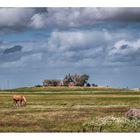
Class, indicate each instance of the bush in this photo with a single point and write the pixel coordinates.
(88, 85)
(38, 85)
(94, 85)
(112, 124)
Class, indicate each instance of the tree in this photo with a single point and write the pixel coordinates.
(94, 85)
(78, 80)
(67, 80)
(88, 84)
(83, 79)
(38, 85)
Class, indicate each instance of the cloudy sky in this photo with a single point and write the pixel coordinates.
(47, 43)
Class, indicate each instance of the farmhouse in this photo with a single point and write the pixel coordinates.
(47, 83)
(69, 81)
(71, 84)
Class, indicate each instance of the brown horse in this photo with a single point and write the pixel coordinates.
(19, 100)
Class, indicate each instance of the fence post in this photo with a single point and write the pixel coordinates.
(101, 127)
(84, 129)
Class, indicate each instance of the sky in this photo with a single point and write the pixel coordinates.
(48, 43)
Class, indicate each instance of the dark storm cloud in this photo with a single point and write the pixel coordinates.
(76, 17)
(19, 19)
(125, 46)
(41, 10)
(13, 49)
(119, 14)
(27, 53)
(10, 54)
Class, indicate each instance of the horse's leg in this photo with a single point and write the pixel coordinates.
(15, 103)
(22, 102)
(18, 104)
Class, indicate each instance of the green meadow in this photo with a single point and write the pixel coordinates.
(62, 109)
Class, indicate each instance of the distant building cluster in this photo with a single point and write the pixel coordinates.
(69, 80)
(54, 83)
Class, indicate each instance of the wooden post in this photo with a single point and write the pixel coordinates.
(84, 129)
(101, 127)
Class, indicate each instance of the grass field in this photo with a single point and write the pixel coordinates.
(69, 110)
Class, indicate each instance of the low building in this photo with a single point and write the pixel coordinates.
(53, 83)
(71, 84)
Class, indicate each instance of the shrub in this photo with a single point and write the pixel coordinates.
(38, 85)
(88, 85)
(112, 124)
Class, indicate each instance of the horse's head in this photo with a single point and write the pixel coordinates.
(24, 103)
(24, 100)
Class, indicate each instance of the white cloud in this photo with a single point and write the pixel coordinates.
(124, 47)
(76, 40)
(14, 17)
(76, 48)
(81, 48)
(37, 21)
(124, 53)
